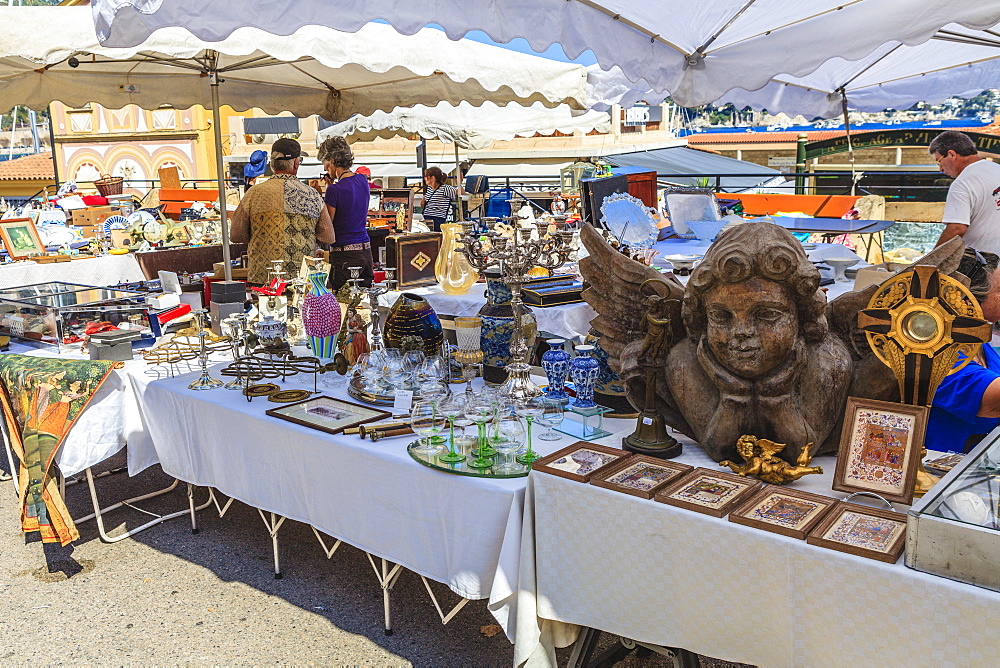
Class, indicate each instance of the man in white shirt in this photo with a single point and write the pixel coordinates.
(972, 210)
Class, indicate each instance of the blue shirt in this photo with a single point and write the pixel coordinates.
(350, 199)
(953, 416)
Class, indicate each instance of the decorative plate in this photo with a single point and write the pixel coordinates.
(115, 223)
(57, 235)
(629, 220)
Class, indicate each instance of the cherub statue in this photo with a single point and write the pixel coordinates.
(762, 462)
(759, 350)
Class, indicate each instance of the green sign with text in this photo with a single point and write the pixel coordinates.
(914, 137)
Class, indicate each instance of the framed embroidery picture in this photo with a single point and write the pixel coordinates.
(20, 238)
(640, 475)
(862, 530)
(706, 491)
(782, 510)
(328, 414)
(880, 448)
(579, 461)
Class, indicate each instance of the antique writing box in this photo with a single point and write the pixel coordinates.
(552, 291)
(413, 256)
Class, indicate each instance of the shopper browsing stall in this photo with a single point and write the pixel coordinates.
(438, 198)
(972, 209)
(967, 402)
(281, 218)
(347, 204)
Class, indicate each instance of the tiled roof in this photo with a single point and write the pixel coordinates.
(29, 168)
(792, 137)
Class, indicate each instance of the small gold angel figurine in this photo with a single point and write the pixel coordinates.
(762, 462)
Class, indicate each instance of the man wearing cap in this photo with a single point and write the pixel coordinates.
(281, 218)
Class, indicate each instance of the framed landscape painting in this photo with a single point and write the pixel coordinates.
(880, 448)
(782, 510)
(20, 238)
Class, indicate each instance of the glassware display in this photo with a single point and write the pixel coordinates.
(452, 409)
(553, 413)
(480, 411)
(452, 270)
(530, 410)
(427, 423)
(412, 320)
(510, 436)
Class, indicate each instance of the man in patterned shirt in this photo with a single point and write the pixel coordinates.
(281, 218)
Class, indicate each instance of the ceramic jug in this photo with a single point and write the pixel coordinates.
(498, 327)
(270, 332)
(451, 269)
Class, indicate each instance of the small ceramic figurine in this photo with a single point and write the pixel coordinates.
(762, 462)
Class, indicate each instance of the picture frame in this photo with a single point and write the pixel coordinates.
(790, 512)
(327, 414)
(710, 492)
(20, 238)
(880, 447)
(864, 531)
(640, 475)
(580, 461)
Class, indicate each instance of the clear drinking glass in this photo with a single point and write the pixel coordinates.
(530, 410)
(480, 411)
(427, 423)
(552, 415)
(452, 408)
(510, 437)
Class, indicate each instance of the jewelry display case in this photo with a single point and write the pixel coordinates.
(954, 530)
(58, 313)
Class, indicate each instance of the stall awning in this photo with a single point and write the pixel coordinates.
(683, 160)
(519, 170)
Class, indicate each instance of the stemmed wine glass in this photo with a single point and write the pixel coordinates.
(480, 411)
(425, 422)
(551, 417)
(510, 437)
(433, 392)
(530, 410)
(451, 409)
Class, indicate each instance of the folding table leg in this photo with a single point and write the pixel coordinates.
(327, 550)
(445, 618)
(386, 579)
(273, 525)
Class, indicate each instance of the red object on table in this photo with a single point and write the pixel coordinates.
(172, 314)
(379, 276)
(95, 200)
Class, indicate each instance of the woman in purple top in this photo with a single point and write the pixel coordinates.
(347, 201)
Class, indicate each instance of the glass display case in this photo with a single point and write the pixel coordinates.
(954, 530)
(58, 313)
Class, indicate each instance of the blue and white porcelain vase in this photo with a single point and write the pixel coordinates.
(555, 362)
(498, 328)
(584, 370)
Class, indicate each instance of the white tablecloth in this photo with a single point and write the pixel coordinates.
(450, 528)
(104, 270)
(664, 575)
(569, 321)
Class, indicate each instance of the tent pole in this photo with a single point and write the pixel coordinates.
(850, 144)
(213, 77)
(458, 183)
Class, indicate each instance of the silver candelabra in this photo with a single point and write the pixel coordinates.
(515, 253)
(374, 292)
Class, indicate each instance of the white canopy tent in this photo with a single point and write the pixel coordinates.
(957, 61)
(315, 70)
(696, 51)
(467, 126)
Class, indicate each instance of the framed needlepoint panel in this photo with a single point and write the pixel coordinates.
(862, 530)
(785, 511)
(640, 475)
(711, 492)
(880, 448)
(328, 414)
(580, 461)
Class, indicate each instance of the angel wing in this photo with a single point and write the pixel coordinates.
(615, 281)
(768, 447)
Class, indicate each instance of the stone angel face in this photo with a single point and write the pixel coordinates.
(759, 349)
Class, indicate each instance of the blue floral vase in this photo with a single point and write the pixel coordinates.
(555, 362)
(609, 390)
(498, 328)
(584, 370)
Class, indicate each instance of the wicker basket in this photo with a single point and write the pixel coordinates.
(109, 185)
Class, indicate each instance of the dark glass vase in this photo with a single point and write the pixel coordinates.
(413, 324)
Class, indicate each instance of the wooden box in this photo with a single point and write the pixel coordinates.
(552, 291)
(413, 256)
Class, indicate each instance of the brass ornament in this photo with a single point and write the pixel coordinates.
(288, 396)
(762, 462)
(920, 324)
(261, 390)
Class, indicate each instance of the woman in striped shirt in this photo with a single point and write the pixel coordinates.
(438, 198)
